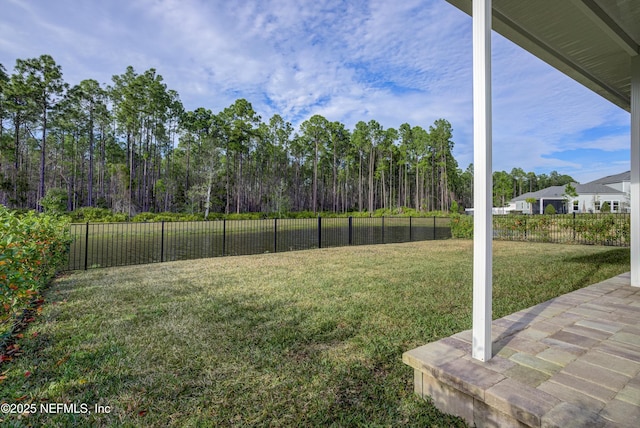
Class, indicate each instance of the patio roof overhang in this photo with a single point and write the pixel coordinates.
(591, 41)
(595, 42)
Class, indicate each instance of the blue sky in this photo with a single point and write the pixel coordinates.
(394, 62)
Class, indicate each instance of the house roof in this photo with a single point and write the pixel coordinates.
(610, 179)
(592, 41)
(549, 192)
(557, 192)
(596, 189)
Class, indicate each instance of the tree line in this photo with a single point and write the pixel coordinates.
(131, 146)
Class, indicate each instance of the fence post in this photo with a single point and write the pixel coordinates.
(410, 234)
(162, 243)
(319, 232)
(275, 235)
(574, 227)
(383, 229)
(350, 230)
(434, 228)
(86, 247)
(224, 236)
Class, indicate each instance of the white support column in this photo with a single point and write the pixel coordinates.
(635, 171)
(483, 182)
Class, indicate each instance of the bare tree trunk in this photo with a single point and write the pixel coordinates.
(227, 187)
(41, 189)
(384, 192)
(90, 176)
(335, 178)
(417, 187)
(238, 185)
(372, 157)
(315, 178)
(360, 186)
(131, 146)
(207, 204)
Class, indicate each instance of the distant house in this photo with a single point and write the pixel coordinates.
(613, 189)
(621, 182)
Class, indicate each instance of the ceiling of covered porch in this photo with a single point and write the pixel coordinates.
(592, 41)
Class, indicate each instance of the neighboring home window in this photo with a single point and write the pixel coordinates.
(576, 205)
(615, 206)
(597, 206)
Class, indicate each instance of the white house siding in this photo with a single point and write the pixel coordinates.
(621, 187)
(588, 203)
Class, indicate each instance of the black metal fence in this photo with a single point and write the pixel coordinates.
(119, 244)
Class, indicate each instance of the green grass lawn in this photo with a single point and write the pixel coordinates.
(299, 338)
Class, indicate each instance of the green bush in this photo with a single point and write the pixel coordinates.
(103, 215)
(512, 226)
(245, 216)
(32, 249)
(55, 201)
(605, 208)
(405, 212)
(96, 215)
(462, 226)
(168, 216)
(549, 210)
(605, 229)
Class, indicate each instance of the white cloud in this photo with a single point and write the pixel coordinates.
(394, 62)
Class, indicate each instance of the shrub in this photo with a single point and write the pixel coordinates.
(168, 217)
(32, 249)
(296, 214)
(96, 215)
(605, 208)
(55, 201)
(244, 216)
(512, 226)
(606, 229)
(462, 226)
(549, 210)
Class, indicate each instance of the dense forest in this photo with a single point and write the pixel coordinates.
(132, 147)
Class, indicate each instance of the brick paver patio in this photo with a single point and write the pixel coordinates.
(571, 361)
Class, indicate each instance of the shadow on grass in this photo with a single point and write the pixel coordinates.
(613, 256)
(594, 262)
(591, 263)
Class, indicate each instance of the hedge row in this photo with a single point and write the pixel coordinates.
(583, 228)
(32, 249)
(103, 215)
